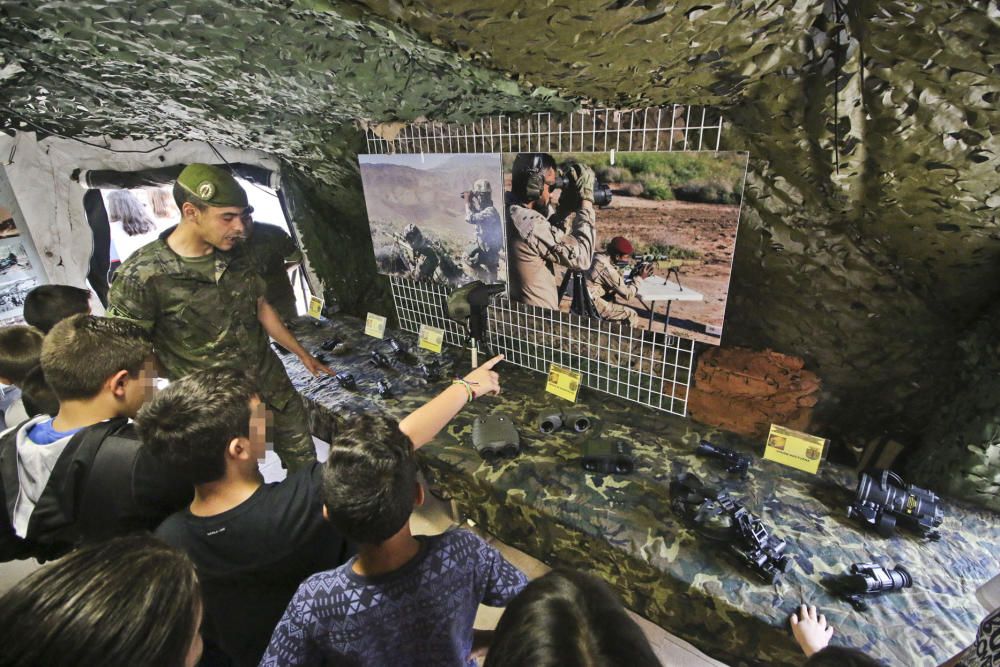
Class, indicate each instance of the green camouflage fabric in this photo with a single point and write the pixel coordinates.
(198, 323)
(622, 528)
(270, 248)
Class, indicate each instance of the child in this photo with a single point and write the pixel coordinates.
(568, 619)
(20, 347)
(253, 543)
(404, 600)
(82, 475)
(47, 305)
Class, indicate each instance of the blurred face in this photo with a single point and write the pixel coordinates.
(141, 388)
(550, 181)
(259, 418)
(220, 227)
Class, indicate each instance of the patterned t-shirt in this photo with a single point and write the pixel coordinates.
(986, 651)
(420, 614)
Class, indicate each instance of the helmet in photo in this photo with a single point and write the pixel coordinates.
(482, 187)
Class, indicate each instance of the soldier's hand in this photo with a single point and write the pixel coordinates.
(647, 271)
(584, 179)
(484, 380)
(315, 366)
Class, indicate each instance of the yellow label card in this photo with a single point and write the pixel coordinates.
(431, 338)
(563, 382)
(315, 307)
(795, 449)
(375, 325)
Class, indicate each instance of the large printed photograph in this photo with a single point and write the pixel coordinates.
(436, 217)
(654, 251)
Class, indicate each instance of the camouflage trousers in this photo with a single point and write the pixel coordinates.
(292, 440)
(615, 312)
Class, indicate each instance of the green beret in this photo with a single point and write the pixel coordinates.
(212, 185)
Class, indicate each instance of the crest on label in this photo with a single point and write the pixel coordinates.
(206, 189)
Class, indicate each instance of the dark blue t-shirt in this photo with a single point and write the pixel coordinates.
(420, 614)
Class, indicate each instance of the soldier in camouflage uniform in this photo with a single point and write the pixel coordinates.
(605, 282)
(204, 304)
(274, 253)
(484, 257)
(420, 260)
(535, 244)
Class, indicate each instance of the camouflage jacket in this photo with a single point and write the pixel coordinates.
(270, 248)
(198, 323)
(536, 246)
(488, 228)
(604, 278)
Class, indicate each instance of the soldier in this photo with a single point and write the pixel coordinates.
(204, 305)
(605, 282)
(535, 244)
(420, 259)
(274, 253)
(484, 257)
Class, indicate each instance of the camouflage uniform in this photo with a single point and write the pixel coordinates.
(485, 254)
(198, 321)
(271, 249)
(536, 246)
(604, 282)
(420, 259)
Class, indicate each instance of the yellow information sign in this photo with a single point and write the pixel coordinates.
(563, 382)
(375, 325)
(431, 338)
(795, 449)
(315, 307)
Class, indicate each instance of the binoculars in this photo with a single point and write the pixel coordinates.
(549, 423)
(602, 191)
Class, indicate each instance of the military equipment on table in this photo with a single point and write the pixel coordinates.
(868, 579)
(380, 360)
(882, 500)
(398, 348)
(383, 388)
(467, 305)
(329, 344)
(716, 516)
(735, 463)
(553, 421)
(609, 457)
(346, 380)
(495, 437)
(430, 371)
(602, 191)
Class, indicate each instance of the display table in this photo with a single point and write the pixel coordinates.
(658, 288)
(622, 528)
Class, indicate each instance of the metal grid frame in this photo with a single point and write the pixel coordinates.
(649, 368)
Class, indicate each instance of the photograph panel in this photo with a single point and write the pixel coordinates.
(657, 252)
(436, 217)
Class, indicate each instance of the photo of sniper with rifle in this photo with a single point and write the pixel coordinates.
(432, 216)
(646, 241)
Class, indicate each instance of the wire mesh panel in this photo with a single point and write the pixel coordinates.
(647, 367)
(650, 368)
(421, 302)
(673, 128)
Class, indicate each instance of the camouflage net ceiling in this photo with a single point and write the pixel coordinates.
(870, 240)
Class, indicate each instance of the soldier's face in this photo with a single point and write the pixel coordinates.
(550, 181)
(222, 227)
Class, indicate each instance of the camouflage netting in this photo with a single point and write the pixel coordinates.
(870, 237)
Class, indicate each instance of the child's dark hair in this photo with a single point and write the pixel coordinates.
(47, 305)
(568, 619)
(839, 656)
(83, 351)
(369, 481)
(189, 425)
(20, 348)
(36, 394)
(85, 609)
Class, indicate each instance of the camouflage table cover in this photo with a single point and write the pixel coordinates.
(622, 527)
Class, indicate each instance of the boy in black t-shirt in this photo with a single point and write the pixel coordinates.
(252, 543)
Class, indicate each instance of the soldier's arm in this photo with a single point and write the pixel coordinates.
(276, 329)
(131, 300)
(573, 249)
(481, 217)
(613, 281)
